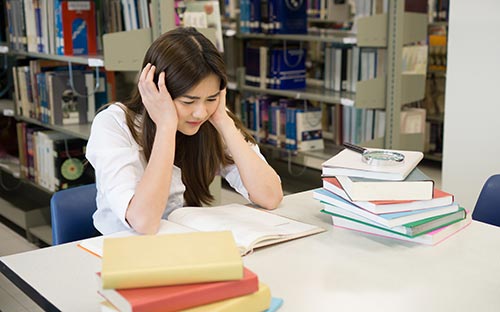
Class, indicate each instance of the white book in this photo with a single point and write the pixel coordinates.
(252, 228)
(350, 163)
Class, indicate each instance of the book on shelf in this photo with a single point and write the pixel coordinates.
(179, 297)
(146, 261)
(79, 27)
(258, 301)
(66, 106)
(252, 228)
(411, 229)
(416, 186)
(350, 163)
(440, 198)
(430, 238)
(337, 204)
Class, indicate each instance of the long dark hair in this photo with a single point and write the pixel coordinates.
(186, 57)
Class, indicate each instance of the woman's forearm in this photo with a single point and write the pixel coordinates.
(151, 195)
(260, 179)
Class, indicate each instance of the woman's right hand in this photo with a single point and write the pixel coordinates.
(157, 100)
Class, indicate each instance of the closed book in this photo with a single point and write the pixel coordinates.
(350, 163)
(337, 204)
(416, 186)
(411, 229)
(440, 198)
(258, 301)
(172, 259)
(178, 297)
(431, 238)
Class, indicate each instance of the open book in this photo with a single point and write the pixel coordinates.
(251, 228)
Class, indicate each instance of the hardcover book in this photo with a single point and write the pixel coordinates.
(179, 297)
(350, 163)
(79, 27)
(171, 259)
(431, 238)
(416, 186)
(412, 229)
(440, 198)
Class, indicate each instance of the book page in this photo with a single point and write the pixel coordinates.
(94, 245)
(251, 227)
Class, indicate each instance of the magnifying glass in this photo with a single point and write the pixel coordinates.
(377, 157)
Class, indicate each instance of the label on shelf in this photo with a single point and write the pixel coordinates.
(8, 112)
(347, 102)
(95, 62)
(4, 49)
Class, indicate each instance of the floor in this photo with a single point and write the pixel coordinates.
(13, 300)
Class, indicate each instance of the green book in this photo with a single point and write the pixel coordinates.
(412, 229)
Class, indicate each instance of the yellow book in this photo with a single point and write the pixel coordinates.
(171, 259)
(258, 301)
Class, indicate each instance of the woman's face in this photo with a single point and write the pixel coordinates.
(197, 105)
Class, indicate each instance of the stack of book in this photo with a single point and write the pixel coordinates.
(197, 271)
(393, 200)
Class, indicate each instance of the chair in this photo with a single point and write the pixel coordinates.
(71, 214)
(488, 204)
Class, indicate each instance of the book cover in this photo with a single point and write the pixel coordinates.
(290, 17)
(179, 297)
(146, 261)
(79, 27)
(309, 129)
(350, 163)
(416, 186)
(66, 107)
(431, 238)
(439, 198)
(337, 204)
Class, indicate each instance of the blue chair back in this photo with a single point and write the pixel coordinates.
(71, 214)
(488, 204)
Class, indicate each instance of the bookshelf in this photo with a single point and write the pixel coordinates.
(391, 31)
(34, 217)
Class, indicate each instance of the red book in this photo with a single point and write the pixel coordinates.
(79, 27)
(440, 198)
(179, 297)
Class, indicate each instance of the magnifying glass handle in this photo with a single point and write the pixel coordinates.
(355, 148)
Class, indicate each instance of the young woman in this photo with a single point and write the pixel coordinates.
(160, 150)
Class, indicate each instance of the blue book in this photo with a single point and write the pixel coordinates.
(291, 17)
(336, 204)
(288, 67)
(255, 16)
(276, 303)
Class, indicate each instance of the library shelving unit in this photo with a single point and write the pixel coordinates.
(123, 51)
(392, 31)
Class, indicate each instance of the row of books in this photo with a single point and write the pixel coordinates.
(282, 122)
(46, 91)
(273, 17)
(52, 159)
(52, 26)
(275, 66)
(392, 201)
(346, 65)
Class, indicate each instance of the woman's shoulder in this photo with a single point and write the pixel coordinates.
(114, 113)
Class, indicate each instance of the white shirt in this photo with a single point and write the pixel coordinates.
(119, 164)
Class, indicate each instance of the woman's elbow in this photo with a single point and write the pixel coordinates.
(143, 225)
(272, 199)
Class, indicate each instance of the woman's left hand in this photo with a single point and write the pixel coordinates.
(220, 116)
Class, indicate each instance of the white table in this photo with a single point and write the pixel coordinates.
(338, 270)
